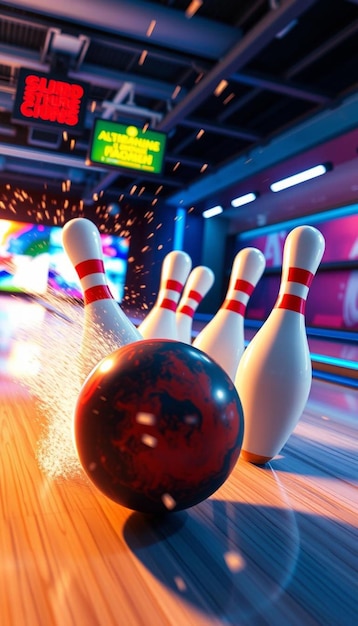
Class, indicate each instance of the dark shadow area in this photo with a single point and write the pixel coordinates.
(246, 564)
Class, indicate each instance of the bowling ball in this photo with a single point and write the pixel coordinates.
(158, 426)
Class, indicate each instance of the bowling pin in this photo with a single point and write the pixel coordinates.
(105, 324)
(274, 376)
(160, 323)
(200, 280)
(223, 337)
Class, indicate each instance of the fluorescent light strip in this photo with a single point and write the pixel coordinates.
(336, 361)
(241, 200)
(296, 179)
(179, 229)
(339, 379)
(328, 360)
(215, 210)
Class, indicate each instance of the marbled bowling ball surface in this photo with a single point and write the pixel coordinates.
(158, 426)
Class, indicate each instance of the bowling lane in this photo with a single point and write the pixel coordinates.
(274, 545)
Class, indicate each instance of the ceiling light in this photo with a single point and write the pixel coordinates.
(193, 7)
(215, 210)
(241, 200)
(301, 177)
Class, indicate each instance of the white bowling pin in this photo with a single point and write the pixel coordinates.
(274, 376)
(223, 337)
(105, 324)
(160, 323)
(200, 280)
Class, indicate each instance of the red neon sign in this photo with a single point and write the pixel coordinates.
(45, 99)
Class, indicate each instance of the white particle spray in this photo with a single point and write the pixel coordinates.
(51, 367)
(56, 379)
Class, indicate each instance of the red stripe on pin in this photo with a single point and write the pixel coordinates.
(173, 285)
(235, 306)
(195, 295)
(290, 302)
(166, 303)
(244, 285)
(91, 266)
(98, 292)
(299, 275)
(186, 310)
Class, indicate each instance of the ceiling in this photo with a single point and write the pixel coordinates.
(290, 100)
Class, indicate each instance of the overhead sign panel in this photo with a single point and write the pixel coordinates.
(127, 146)
(50, 100)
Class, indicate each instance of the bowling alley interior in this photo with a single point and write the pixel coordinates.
(179, 313)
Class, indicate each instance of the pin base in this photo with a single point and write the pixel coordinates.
(256, 459)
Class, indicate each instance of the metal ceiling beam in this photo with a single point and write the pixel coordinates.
(111, 79)
(132, 18)
(43, 156)
(15, 57)
(326, 47)
(239, 56)
(216, 129)
(105, 182)
(190, 162)
(159, 54)
(324, 126)
(33, 170)
(19, 57)
(283, 87)
(238, 103)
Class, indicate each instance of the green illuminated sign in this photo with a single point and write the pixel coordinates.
(119, 145)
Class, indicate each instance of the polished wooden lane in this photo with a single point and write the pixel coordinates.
(276, 545)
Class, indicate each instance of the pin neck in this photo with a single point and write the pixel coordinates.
(98, 292)
(166, 303)
(90, 266)
(244, 285)
(290, 302)
(195, 295)
(235, 306)
(186, 310)
(300, 275)
(173, 285)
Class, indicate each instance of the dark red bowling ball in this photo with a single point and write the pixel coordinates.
(158, 426)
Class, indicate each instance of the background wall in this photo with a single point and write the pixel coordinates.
(333, 297)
